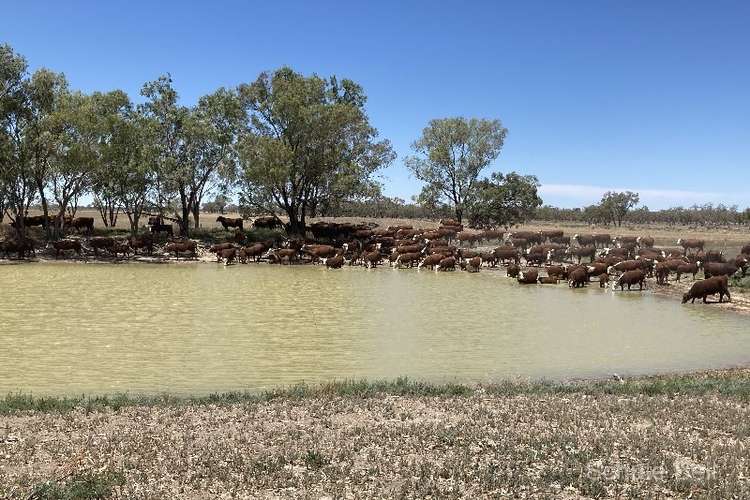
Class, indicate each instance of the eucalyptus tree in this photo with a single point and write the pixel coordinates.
(212, 130)
(504, 200)
(308, 140)
(450, 155)
(195, 145)
(25, 142)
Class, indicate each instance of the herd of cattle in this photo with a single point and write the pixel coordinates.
(548, 257)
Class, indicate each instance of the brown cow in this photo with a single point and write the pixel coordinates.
(691, 244)
(101, 242)
(474, 264)
(709, 286)
(63, 245)
(372, 259)
(645, 241)
(143, 241)
(630, 278)
(431, 261)
(178, 247)
(577, 277)
(528, 277)
(227, 222)
(280, 255)
(79, 223)
(254, 251)
(267, 222)
(228, 255)
(719, 268)
(446, 264)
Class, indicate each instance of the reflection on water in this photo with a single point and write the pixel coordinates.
(198, 328)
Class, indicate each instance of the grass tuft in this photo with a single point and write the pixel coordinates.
(729, 383)
(80, 486)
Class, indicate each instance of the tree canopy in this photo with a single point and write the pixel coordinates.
(308, 142)
(504, 200)
(450, 155)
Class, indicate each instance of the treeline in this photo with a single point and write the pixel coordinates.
(696, 215)
(284, 144)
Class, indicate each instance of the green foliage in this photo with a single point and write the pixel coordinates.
(80, 486)
(504, 200)
(450, 155)
(617, 205)
(308, 143)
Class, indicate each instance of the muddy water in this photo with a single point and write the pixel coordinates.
(199, 328)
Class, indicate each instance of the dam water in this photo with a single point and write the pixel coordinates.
(72, 328)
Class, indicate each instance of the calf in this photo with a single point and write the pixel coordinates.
(513, 270)
(709, 286)
(630, 278)
(603, 280)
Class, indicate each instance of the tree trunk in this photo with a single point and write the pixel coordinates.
(196, 214)
(459, 214)
(45, 208)
(296, 224)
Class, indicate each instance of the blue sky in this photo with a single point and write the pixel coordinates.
(642, 95)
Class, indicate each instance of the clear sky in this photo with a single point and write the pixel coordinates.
(647, 95)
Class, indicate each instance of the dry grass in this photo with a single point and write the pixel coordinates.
(657, 437)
